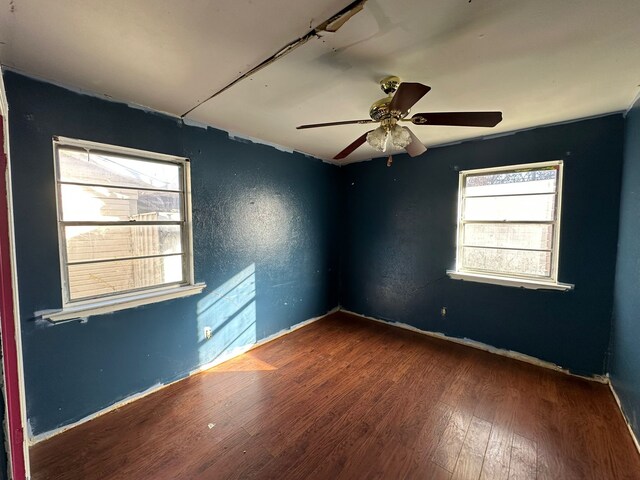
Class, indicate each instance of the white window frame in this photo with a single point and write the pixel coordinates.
(512, 280)
(85, 307)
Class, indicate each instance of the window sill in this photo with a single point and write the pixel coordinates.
(509, 282)
(129, 301)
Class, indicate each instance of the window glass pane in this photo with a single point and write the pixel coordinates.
(521, 207)
(509, 235)
(85, 203)
(507, 261)
(119, 241)
(106, 169)
(105, 278)
(505, 183)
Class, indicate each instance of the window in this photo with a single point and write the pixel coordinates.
(123, 225)
(509, 225)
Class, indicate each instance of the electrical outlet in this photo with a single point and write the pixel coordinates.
(208, 333)
(443, 311)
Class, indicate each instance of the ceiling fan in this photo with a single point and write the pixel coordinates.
(394, 108)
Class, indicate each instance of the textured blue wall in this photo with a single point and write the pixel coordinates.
(400, 238)
(625, 340)
(255, 209)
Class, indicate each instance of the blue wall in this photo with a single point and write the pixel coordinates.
(625, 338)
(264, 238)
(400, 230)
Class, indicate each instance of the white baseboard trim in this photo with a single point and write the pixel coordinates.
(485, 347)
(33, 439)
(626, 420)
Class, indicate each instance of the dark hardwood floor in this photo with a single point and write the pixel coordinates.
(347, 398)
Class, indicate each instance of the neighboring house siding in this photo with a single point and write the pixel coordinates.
(91, 279)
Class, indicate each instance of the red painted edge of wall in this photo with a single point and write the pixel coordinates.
(8, 326)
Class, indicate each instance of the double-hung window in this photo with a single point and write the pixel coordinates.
(509, 225)
(123, 226)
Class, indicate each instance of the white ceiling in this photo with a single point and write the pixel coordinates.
(539, 61)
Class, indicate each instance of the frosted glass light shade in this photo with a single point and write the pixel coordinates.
(400, 136)
(381, 136)
(378, 139)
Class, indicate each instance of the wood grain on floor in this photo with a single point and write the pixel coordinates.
(348, 398)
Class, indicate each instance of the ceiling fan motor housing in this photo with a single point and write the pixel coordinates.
(380, 110)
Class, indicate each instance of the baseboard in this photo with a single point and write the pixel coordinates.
(485, 347)
(34, 439)
(626, 420)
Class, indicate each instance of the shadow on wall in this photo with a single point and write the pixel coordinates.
(230, 312)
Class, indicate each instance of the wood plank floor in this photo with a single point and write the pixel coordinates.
(347, 398)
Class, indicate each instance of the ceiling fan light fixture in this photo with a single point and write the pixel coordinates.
(378, 138)
(400, 136)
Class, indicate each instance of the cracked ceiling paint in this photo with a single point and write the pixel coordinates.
(539, 61)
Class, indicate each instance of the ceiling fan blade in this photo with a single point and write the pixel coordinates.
(416, 147)
(458, 119)
(352, 147)
(331, 124)
(407, 95)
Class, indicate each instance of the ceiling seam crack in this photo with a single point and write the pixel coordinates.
(331, 25)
